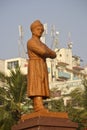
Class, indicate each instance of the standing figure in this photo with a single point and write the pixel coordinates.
(37, 84)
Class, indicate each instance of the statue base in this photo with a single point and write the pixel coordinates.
(45, 121)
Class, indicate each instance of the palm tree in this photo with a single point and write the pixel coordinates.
(12, 98)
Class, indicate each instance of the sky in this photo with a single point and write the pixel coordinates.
(66, 15)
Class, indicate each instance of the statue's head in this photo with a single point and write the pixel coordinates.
(36, 24)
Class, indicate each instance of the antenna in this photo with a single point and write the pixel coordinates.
(43, 38)
(56, 42)
(69, 41)
(52, 35)
(21, 48)
(20, 31)
(55, 39)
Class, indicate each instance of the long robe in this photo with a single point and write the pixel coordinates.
(37, 68)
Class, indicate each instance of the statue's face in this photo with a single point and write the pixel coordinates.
(37, 31)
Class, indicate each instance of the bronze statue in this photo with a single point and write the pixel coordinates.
(38, 86)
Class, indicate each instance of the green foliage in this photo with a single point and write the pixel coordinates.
(57, 105)
(8, 116)
(85, 93)
(77, 97)
(77, 110)
(12, 98)
(17, 85)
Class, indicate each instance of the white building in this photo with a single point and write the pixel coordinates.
(2, 66)
(7, 65)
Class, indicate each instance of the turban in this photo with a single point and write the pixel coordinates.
(35, 24)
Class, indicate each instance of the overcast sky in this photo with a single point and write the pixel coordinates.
(66, 15)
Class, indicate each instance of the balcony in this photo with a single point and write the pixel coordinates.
(63, 75)
(61, 64)
(78, 68)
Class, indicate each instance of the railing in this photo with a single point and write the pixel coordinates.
(63, 75)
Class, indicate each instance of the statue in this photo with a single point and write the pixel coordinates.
(37, 84)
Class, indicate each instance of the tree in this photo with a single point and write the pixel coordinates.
(85, 93)
(77, 110)
(77, 97)
(57, 105)
(12, 98)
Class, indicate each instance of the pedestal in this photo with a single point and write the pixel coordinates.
(45, 121)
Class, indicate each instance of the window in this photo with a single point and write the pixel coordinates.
(75, 77)
(48, 70)
(12, 64)
(60, 55)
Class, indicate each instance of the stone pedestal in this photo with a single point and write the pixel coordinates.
(45, 121)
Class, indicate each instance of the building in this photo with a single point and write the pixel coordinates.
(65, 67)
(2, 66)
(65, 72)
(11, 64)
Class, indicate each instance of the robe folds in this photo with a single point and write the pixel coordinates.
(37, 78)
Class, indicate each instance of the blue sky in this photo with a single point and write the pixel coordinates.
(66, 15)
